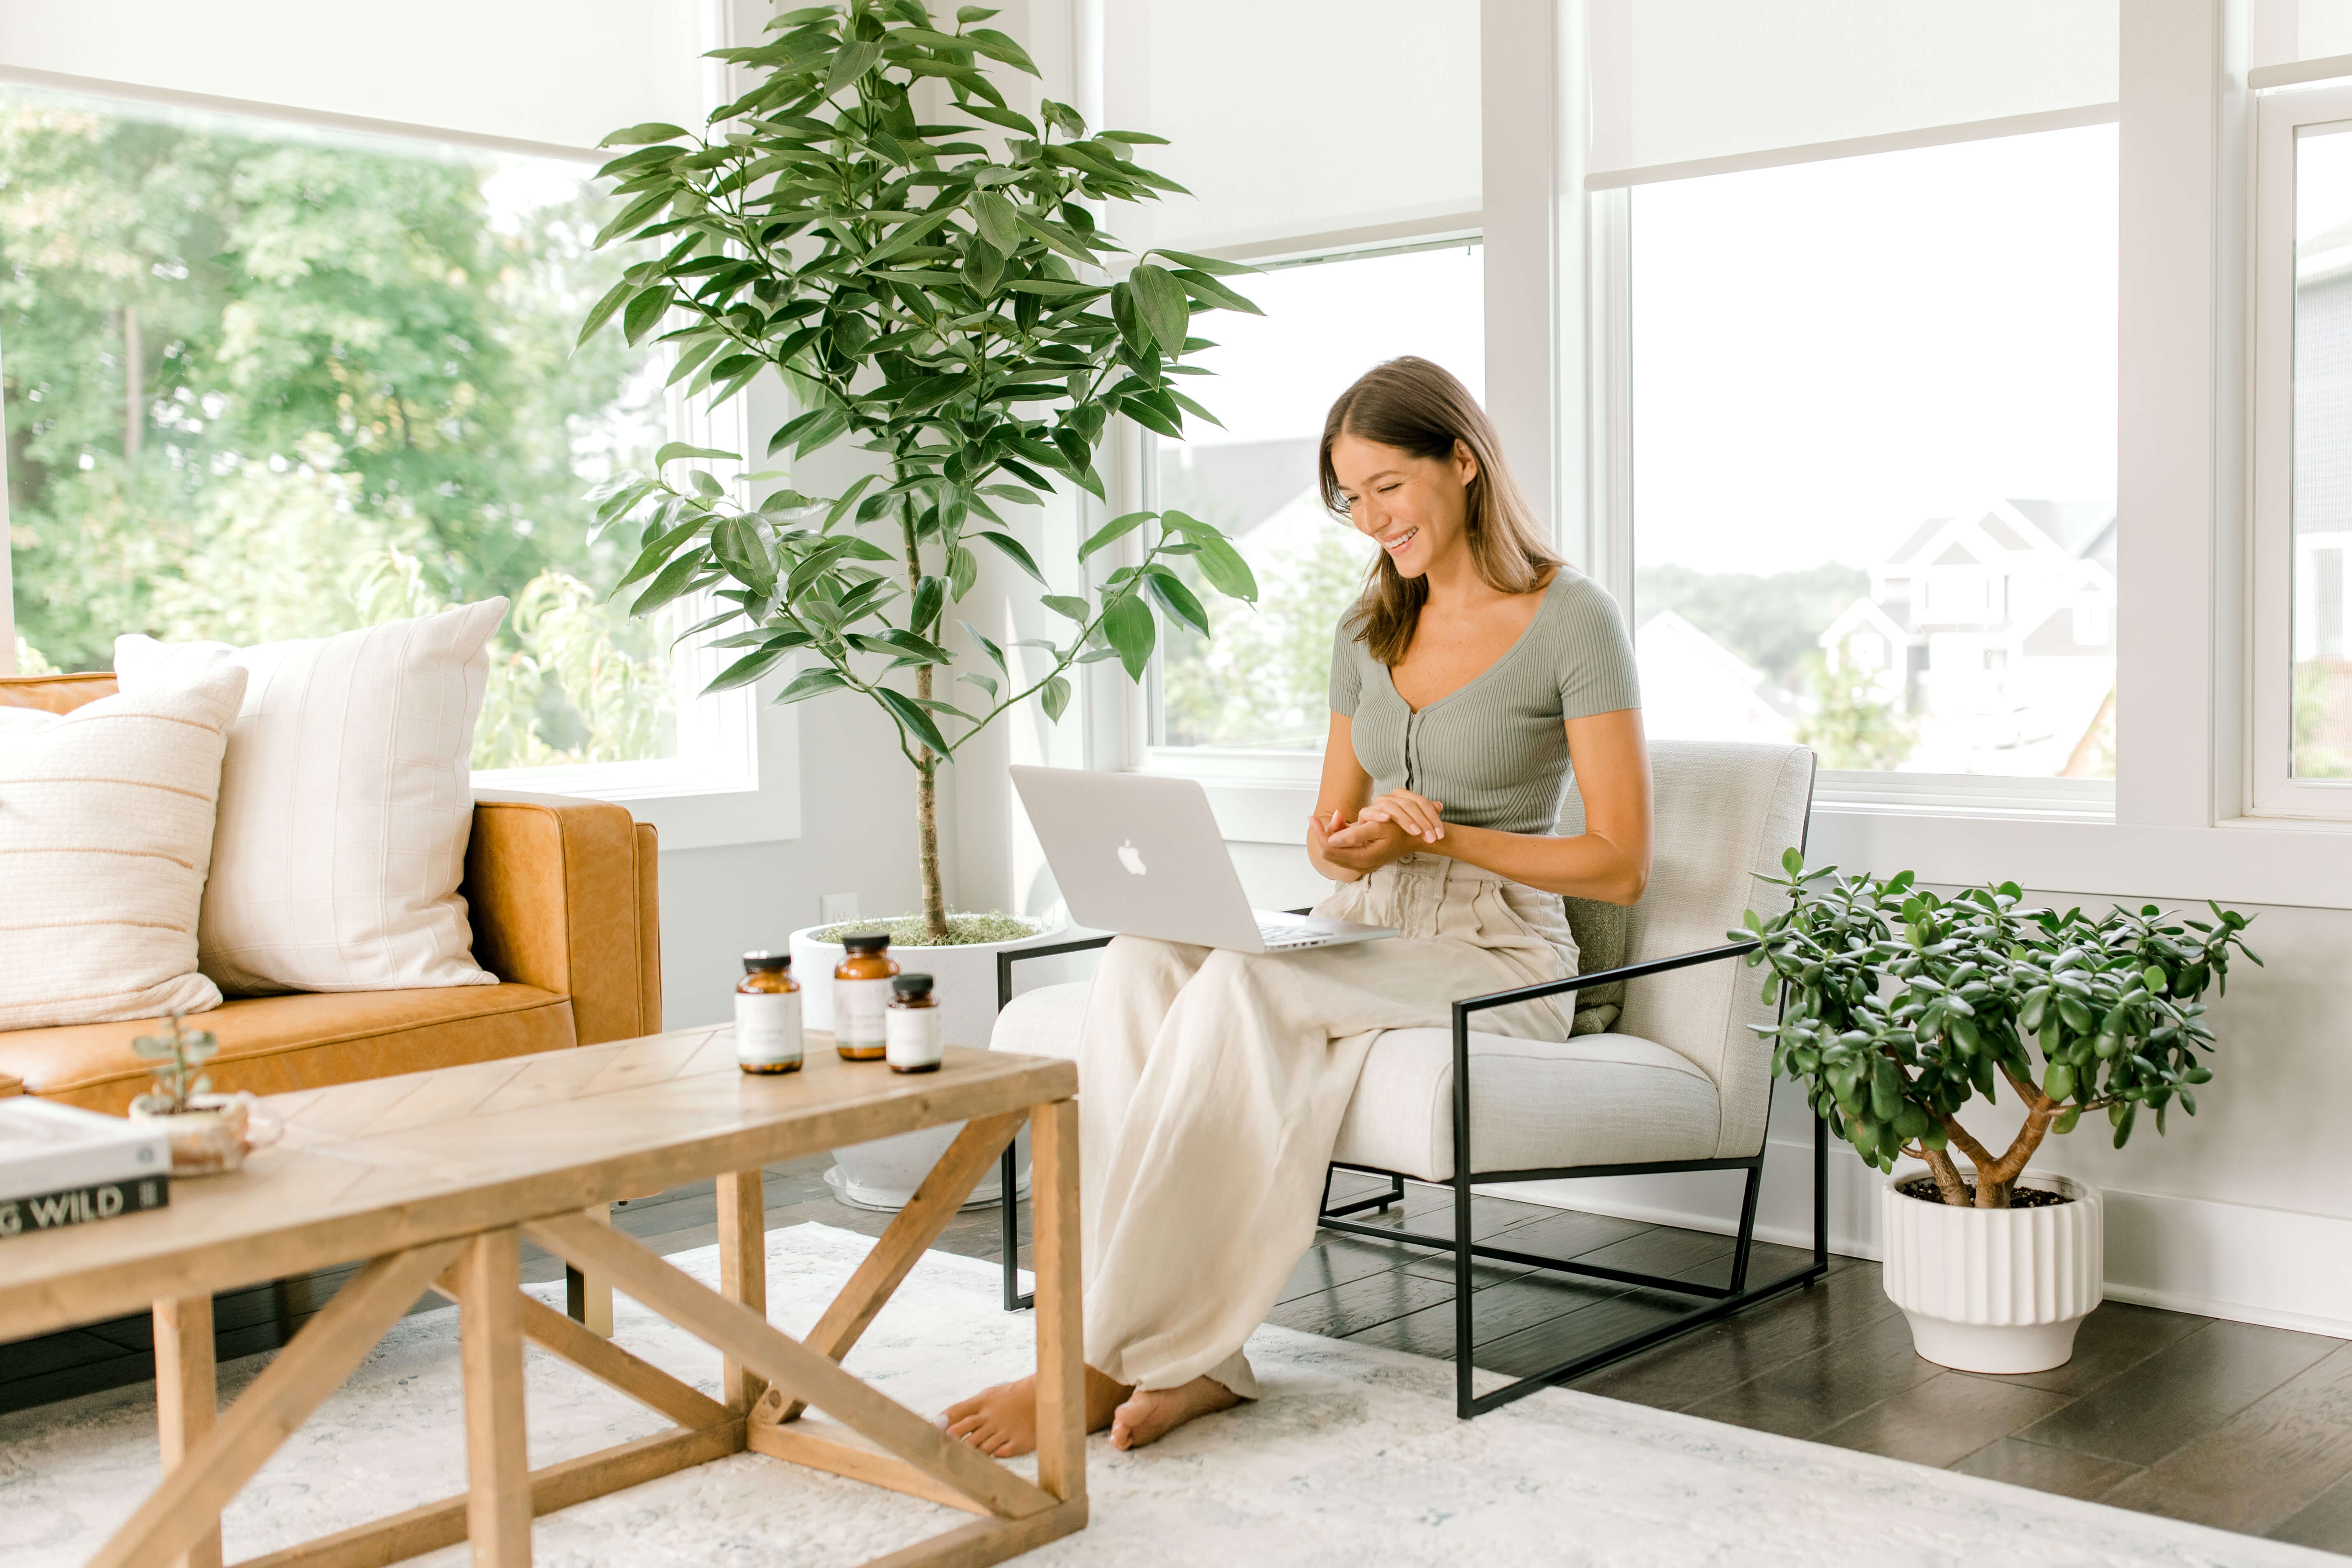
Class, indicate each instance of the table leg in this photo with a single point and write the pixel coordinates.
(185, 1396)
(1061, 1366)
(743, 1271)
(498, 1458)
(587, 1297)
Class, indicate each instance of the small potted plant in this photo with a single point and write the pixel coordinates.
(1900, 1007)
(209, 1132)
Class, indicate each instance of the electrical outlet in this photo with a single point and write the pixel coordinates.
(837, 907)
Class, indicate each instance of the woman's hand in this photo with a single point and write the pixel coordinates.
(1416, 815)
(1360, 847)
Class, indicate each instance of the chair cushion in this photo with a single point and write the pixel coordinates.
(273, 1043)
(1596, 1099)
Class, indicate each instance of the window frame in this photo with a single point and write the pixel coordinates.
(711, 792)
(2281, 119)
(1256, 764)
(1613, 361)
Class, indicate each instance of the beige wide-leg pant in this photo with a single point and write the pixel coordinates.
(1212, 1085)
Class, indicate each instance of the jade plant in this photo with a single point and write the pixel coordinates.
(174, 1060)
(1899, 1007)
(924, 266)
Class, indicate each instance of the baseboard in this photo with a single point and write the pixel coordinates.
(2277, 1267)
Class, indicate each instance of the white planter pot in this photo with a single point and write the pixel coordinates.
(1997, 1290)
(884, 1173)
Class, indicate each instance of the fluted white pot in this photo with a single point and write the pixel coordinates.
(1995, 1289)
(884, 1173)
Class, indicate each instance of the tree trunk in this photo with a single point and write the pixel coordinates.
(135, 388)
(1948, 1183)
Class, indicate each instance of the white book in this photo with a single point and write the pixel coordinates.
(50, 1148)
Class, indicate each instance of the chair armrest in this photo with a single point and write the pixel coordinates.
(564, 895)
(1469, 1005)
(1006, 960)
(9, 1085)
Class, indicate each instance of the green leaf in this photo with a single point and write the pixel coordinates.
(1056, 695)
(604, 310)
(930, 599)
(911, 716)
(1014, 549)
(1201, 263)
(676, 579)
(673, 450)
(854, 61)
(1064, 606)
(999, 223)
(1115, 528)
(1209, 291)
(996, 654)
(1161, 301)
(997, 46)
(637, 135)
(1227, 573)
(747, 670)
(1130, 629)
(645, 311)
(811, 683)
(983, 682)
(963, 571)
(1177, 599)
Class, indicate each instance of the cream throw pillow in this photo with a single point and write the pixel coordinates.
(106, 825)
(346, 802)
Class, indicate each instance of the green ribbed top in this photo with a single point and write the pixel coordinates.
(1495, 751)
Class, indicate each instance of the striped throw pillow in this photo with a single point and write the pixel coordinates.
(106, 831)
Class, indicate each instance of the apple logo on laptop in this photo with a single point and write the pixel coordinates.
(1132, 857)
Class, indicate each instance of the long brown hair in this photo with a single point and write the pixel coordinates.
(1419, 407)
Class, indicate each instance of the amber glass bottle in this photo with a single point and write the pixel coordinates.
(913, 1025)
(861, 997)
(768, 1015)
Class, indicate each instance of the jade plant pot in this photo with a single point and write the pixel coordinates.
(884, 1173)
(1998, 1291)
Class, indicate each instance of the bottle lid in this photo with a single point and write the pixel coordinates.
(867, 942)
(754, 962)
(912, 984)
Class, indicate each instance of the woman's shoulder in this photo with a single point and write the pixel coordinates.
(1572, 599)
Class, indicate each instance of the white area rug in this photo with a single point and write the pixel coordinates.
(1354, 1459)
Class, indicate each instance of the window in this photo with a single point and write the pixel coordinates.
(1260, 684)
(267, 382)
(1873, 413)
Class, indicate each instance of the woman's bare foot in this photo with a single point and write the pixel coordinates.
(1002, 1421)
(1151, 1414)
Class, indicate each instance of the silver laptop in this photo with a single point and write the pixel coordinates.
(1142, 855)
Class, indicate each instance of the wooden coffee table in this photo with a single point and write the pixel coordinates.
(437, 1177)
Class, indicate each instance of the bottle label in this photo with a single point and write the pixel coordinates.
(914, 1037)
(768, 1028)
(857, 1009)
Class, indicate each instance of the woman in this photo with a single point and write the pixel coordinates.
(1475, 673)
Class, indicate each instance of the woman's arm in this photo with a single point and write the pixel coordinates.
(1609, 860)
(1346, 786)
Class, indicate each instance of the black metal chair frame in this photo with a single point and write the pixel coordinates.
(1716, 1300)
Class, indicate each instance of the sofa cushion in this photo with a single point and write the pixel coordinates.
(1595, 1099)
(345, 803)
(106, 826)
(273, 1043)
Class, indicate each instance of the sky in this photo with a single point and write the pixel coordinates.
(1826, 354)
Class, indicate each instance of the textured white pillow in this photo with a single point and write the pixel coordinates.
(346, 802)
(106, 824)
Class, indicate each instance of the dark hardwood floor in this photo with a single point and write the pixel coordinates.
(2226, 1424)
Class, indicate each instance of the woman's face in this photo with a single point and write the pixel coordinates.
(1416, 509)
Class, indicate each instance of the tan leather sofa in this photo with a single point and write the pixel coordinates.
(562, 896)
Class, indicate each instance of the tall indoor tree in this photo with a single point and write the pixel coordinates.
(940, 295)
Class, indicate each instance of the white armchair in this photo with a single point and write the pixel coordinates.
(1684, 1083)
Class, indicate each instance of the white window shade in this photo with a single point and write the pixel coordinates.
(556, 72)
(1681, 82)
(1294, 122)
